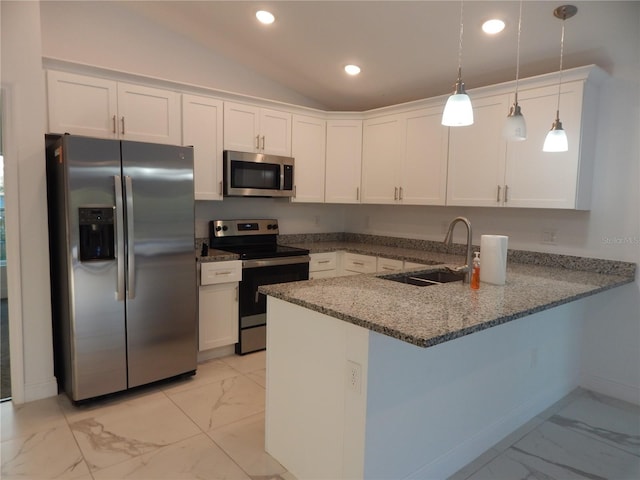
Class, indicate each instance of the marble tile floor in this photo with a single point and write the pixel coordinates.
(211, 426)
(582, 436)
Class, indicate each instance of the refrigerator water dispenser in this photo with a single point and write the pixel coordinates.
(96, 233)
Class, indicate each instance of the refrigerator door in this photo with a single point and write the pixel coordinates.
(161, 280)
(94, 328)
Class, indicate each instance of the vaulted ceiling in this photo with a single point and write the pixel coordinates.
(407, 49)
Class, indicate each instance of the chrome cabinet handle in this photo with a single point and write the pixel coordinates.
(114, 124)
(324, 261)
(361, 264)
(257, 297)
(228, 272)
(395, 193)
(131, 258)
(498, 195)
(294, 191)
(506, 193)
(220, 187)
(357, 193)
(400, 196)
(117, 184)
(257, 142)
(263, 142)
(122, 120)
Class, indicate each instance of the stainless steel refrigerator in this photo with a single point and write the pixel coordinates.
(123, 266)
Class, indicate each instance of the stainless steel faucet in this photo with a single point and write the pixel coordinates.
(449, 238)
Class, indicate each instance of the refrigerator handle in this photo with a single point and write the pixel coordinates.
(117, 183)
(131, 265)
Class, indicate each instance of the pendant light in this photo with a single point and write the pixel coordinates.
(458, 111)
(515, 128)
(556, 140)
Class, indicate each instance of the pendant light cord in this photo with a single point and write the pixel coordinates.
(560, 79)
(518, 52)
(460, 43)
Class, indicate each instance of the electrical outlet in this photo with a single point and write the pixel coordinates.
(354, 376)
(549, 236)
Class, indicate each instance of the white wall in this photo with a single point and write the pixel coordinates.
(23, 83)
(108, 35)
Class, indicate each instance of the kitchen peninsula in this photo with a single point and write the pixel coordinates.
(369, 378)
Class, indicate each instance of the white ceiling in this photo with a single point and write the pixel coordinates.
(407, 49)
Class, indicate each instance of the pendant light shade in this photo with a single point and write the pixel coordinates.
(515, 127)
(458, 111)
(556, 140)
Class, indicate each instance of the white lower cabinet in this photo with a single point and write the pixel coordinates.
(354, 263)
(323, 265)
(389, 265)
(218, 304)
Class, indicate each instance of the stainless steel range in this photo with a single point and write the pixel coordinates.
(264, 262)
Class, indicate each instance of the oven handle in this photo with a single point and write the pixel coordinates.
(272, 262)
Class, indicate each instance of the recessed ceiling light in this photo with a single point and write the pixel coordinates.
(493, 26)
(352, 69)
(265, 17)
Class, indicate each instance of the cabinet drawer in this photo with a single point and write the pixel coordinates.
(389, 265)
(354, 262)
(220, 272)
(322, 261)
(323, 274)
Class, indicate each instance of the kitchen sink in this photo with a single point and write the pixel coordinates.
(425, 279)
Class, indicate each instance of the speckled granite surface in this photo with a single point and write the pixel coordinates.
(427, 316)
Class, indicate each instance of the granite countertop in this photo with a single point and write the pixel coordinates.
(427, 316)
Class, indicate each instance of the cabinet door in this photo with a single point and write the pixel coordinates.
(241, 127)
(81, 105)
(355, 263)
(344, 157)
(218, 315)
(382, 155)
(308, 145)
(540, 179)
(202, 129)
(424, 172)
(275, 132)
(148, 114)
(477, 155)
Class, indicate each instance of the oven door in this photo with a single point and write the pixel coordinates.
(253, 305)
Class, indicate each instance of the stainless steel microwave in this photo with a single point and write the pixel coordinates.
(257, 175)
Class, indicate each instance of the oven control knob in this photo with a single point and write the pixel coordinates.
(218, 228)
(272, 227)
(225, 228)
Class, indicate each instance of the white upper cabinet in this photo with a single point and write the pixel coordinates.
(486, 170)
(308, 147)
(148, 114)
(534, 178)
(404, 158)
(424, 172)
(202, 129)
(82, 105)
(96, 107)
(382, 152)
(343, 161)
(477, 155)
(248, 128)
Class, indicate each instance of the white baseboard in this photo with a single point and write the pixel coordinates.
(38, 391)
(452, 461)
(216, 353)
(605, 386)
